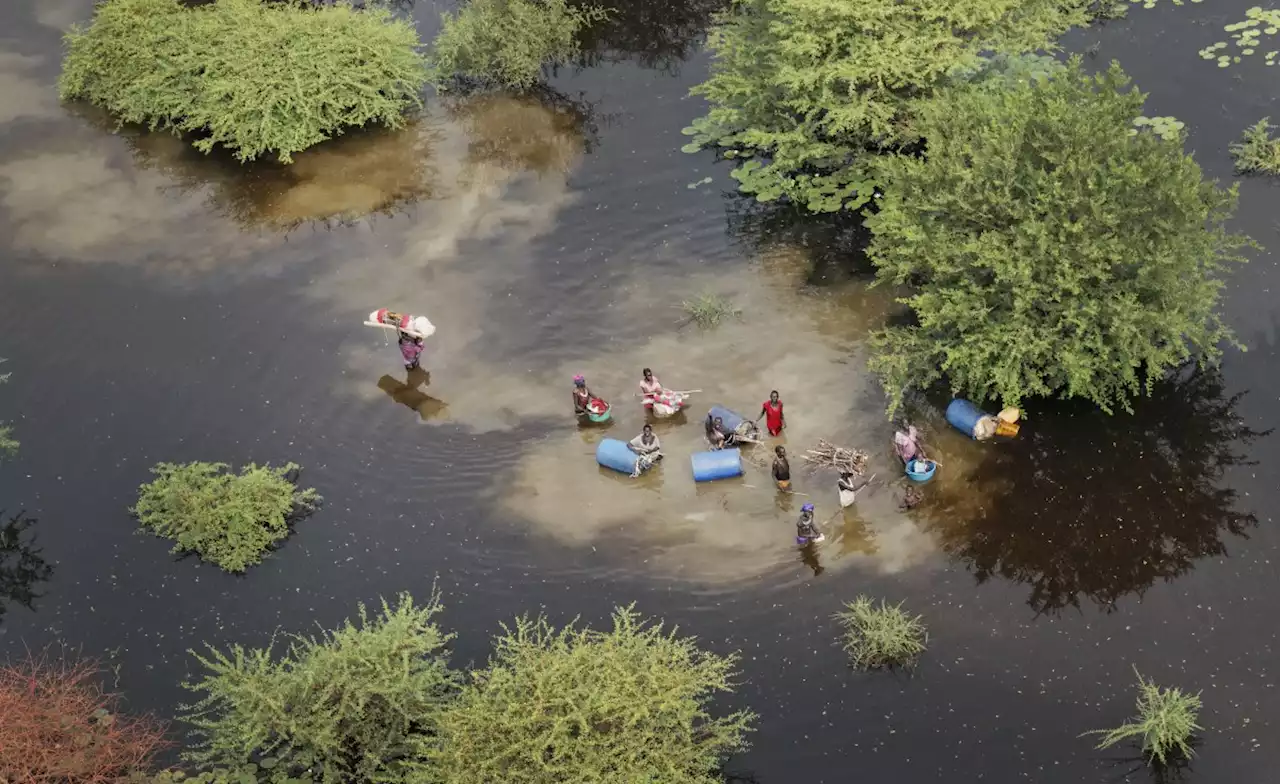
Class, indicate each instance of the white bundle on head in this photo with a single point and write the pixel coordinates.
(422, 326)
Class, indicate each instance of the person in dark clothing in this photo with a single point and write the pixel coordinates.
(781, 469)
(806, 529)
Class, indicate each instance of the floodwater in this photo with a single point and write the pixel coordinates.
(158, 304)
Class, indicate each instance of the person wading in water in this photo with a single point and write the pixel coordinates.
(772, 412)
(781, 469)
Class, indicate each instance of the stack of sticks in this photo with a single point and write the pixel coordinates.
(828, 455)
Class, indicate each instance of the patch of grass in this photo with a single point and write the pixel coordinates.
(883, 636)
(231, 520)
(709, 310)
(1166, 721)
(1257, 151)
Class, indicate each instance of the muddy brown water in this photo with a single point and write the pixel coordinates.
(157, 304)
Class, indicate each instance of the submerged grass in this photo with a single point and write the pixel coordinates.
(709, 310)
(883, 636)
(1257, 151)
(1166, 721)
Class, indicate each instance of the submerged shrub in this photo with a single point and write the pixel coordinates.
(1166, 721)
(507, 42)
(578, 705)
(883, 636)
(708, 310)
(1051, 251)
(58, 725)
(353, 705)
(230, 520)
(255, 77)
(807, 92)
(1257, 151)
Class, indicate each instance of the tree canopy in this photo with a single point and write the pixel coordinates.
(255, 77)
(807, 91)
(592, 708)
(1052, 248)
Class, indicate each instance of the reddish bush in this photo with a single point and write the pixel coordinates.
(58, 726)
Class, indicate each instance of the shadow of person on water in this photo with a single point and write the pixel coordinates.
(1086, 505)
(407, 393)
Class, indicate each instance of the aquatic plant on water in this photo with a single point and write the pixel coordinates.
(1258, 150)
(1247, 36)
(58, 724)
(1166, 722)
(8, 444)
(630, 704)
(709, 310)
(507, 43)
(881, 636)
(1037, 302)
(231, 520)
(356, 704)
(228, 73)
(1167, 128)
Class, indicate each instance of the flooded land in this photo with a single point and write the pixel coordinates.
(158, 304)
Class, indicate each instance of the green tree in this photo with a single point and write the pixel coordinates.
(255, 77)
(508, 42)
(590, 707)
(231, 520)
(809, 91)
(350, 706)
(1053, 249)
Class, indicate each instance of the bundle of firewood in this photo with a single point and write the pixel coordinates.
(831, 456)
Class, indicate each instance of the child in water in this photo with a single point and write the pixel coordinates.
(411, 350)
(806, 529)
(781, 469)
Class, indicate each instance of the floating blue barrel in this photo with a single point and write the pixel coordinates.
(720, 464)
(965, 416)
(731, 418)
(615, 454)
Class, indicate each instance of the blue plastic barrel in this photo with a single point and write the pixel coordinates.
(964, 416)
(615, 454)
(731, 418)
(720, 464)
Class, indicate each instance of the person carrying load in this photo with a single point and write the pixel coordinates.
(806, 529)
(907, 445)
(648, 449)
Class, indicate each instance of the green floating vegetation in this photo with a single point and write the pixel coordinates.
(230, 520)
(1168, 128)
(710, 310)
(1258, 151)
(883, 636)
(256, 77)
(1166, 722)
(1247, 36)
(1152, 3)
(508, 42)
(8, 445)
(352, 705)
(1047, 273)
(577, 705)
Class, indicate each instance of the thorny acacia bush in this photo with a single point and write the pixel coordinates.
(57, 725)
(1166, 721)
(255, 77)
(507, 42)
(807, 92)
(355, 704)
(1258, 151)
(1050, 251)
(883, 636)
(590, 707)
(231, 520)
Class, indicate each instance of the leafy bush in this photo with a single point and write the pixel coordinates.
(808, 91)
(230, 520)
(708, 310)
(508, 41)
(1051, 252)
(57, 725)
(1166, 721)
(883, 636)
(350, 706)
(1257, 151)
(8, 445)
(590, 707)
(256, 77)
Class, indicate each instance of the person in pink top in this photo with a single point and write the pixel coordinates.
(411, 350)
(650, 385)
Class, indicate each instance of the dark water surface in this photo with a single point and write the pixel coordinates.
(156, 304)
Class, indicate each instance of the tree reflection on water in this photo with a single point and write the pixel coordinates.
(658, 34)
(21, 566)
(1088, 505)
